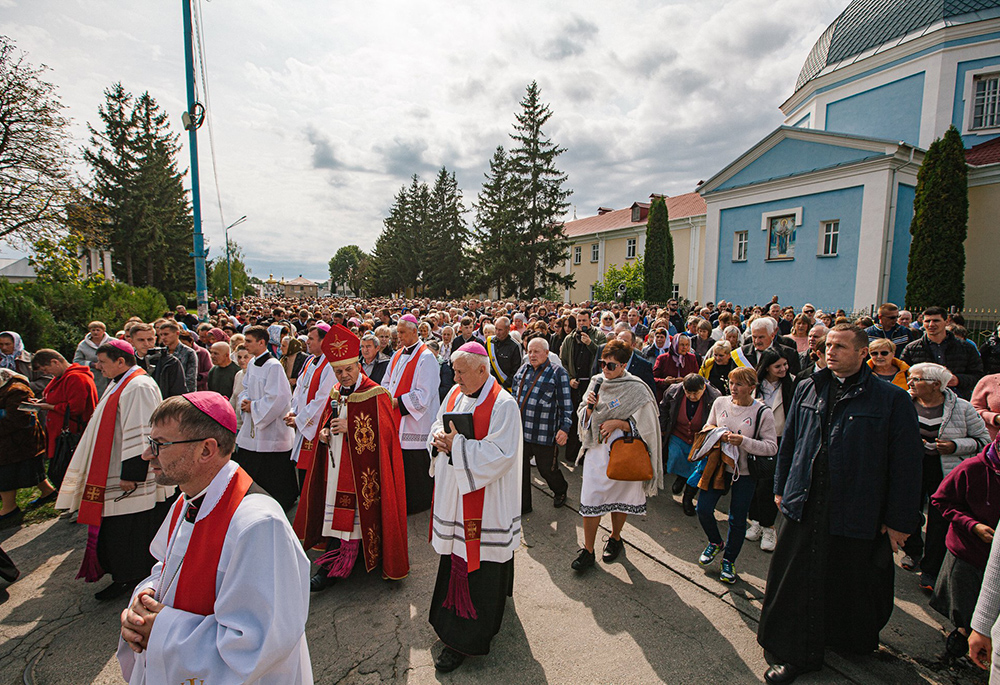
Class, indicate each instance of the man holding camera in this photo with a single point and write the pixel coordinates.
(164, 369)
(577, 356)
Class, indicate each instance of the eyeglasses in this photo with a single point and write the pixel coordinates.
(155, 445)
(610, 366)
(881, 353)
(911, 381)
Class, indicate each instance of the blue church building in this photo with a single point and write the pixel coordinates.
(820, 209)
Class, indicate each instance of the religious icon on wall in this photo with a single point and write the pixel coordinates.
(781, 238)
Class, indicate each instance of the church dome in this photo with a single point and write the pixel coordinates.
(869, 24)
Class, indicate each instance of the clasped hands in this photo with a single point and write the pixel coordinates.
(138, 619)
(443, 441)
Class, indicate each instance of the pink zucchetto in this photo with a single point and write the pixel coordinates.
(215, 406)
(120, 344)
(409, 318)
(323, 326)
(473, 348)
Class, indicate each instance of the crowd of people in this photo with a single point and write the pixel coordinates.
(838, 442)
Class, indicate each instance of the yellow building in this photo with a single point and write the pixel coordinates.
(301, 288)
(616, 236)
(982, 243)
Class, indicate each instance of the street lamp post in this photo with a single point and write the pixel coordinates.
(229, 263)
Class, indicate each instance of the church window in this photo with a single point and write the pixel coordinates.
(740, 242)
(829, 237)
(630, 248)
(595, 252)
(986, 101)
(781, 238)
(577, 254)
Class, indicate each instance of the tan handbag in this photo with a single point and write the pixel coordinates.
(629, 459)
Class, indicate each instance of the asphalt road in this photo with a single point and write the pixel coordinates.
(654, 615)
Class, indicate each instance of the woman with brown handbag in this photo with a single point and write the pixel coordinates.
(620, 431)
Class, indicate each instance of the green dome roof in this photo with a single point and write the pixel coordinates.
(868, 24)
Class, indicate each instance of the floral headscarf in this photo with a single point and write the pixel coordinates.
(9, 361)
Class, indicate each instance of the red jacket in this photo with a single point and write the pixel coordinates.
(73, 394)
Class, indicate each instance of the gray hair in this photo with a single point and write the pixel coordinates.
(822, 326)
(721, 346)
(540, 340)
(764, 322)
(933, 372)
(470, 357)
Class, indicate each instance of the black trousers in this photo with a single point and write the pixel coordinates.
(419, 484)
(274, 472)
(763, 510)
(933, 550)
(548, 468)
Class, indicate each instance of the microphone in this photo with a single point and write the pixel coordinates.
(597, 391)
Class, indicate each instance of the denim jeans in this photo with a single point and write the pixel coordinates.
(742, 494)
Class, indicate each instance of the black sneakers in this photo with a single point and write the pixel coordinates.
(449, 660)
(612, 548)
(584, 560)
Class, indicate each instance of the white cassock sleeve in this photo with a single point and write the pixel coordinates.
(277, 396)
(477, 463)
(426, 379)
(260, 615)
(308, 413)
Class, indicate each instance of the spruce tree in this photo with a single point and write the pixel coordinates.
(936, 270)
(399, 254)
(658, 276)
(445, 235)
(499, 215)
(543, 198)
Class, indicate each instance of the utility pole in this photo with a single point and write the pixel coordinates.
(192, 120)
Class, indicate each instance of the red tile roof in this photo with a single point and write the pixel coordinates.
(690, 204)
(984, 153)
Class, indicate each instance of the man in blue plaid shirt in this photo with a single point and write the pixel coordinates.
(542, 392)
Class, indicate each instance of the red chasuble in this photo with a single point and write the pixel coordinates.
(92, 505)
(308, 451)
(472, 502)
(196, 583)
(370, 481)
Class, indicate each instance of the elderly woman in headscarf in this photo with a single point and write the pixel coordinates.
(292, 358)
(13, 356)
(22, 446)
(218, 335)
(672, 366)
(616, 402)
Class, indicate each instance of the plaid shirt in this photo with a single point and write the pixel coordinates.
(547, 407)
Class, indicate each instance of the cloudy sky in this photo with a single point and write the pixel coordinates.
(322, 109)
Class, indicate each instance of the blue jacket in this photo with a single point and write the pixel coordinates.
(875, 456)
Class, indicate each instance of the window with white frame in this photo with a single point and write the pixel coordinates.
(986, 101)
(630, 248)
(675, 291)
(577, 254)
(829, 238)
(740, 241)
(595, 252)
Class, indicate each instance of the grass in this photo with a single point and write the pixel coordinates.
(38, 514)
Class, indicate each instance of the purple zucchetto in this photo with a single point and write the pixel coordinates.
(409, 318)
(120, 344)
(214, 406)
(473, 348)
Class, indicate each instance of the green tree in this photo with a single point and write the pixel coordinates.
(218, 274)
(495, 230)
(56, 259)
(396, 261)
(935, 274)
(445, 234)
(631, 274)
(543, 197)
(34, 151)
(343, 265)
(658, 277)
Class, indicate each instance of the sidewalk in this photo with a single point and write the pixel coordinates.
(654, 615)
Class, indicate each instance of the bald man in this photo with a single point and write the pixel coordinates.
(223, 371)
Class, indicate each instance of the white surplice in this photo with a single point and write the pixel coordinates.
(421, 402)
(307, 414)
(332, 478)
(493, 463)
(266, 386)
(135, 405)
(257, 633)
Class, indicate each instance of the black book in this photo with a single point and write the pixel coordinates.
(462, 423)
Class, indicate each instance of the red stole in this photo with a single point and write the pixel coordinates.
(308, 451)
(472, 503)
(196, 585)
(409, 370)
(92, 505)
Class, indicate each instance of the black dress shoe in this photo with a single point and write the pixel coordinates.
(115, 590)
(584, 560)
(687, 501)
(612, 548)
(12, 518)
(320, 581)
(782, 674)
(559, 500)
(678, 485)
(449, 660)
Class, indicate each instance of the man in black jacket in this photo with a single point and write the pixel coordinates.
(940, 346)
(847, 479)
(162, 366)
(763, 334)
(372, 363)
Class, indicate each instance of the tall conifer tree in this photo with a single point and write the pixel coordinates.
(658, 276)
(499, 216)
(445, 236)
(936, 270)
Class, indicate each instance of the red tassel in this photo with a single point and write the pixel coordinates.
(91, 570)
(340, 562)
(458, 598)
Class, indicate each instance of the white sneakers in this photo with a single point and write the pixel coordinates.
(768, 539)
(754, 531)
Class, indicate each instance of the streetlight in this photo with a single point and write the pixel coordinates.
(229, 263)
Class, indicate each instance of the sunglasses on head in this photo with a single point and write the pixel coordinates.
(610, 366)
(881, 353)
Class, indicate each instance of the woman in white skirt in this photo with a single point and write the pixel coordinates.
(616, 402)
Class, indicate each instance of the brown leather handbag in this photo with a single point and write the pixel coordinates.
(629, 459)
